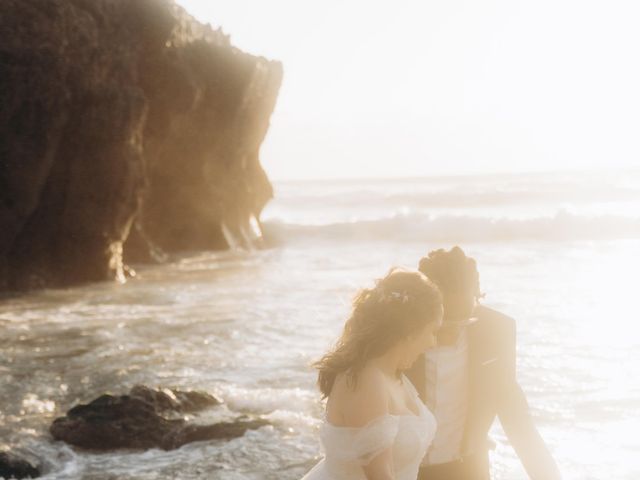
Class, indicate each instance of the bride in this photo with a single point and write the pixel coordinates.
(375, 425)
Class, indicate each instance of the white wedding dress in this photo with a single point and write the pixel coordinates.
(347, 449)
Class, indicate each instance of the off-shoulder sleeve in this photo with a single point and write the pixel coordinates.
(375, 438)
(363, 444)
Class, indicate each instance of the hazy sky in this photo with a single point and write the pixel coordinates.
(400, 88)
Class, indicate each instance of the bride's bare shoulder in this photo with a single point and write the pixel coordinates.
(367, 381)
(354, 402)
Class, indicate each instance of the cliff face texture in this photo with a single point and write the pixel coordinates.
(124, 126)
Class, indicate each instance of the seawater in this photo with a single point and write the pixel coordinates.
(558, 252)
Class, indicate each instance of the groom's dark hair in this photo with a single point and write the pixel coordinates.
(452, 271)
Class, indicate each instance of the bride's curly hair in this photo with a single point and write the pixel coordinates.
(401, 304)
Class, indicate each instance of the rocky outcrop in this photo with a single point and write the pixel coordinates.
(145, 418)
(15, 467)
(116, 114)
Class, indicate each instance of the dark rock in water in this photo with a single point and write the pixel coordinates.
(14, 467)
(115, 112)
(222, 430)
(145, 418)
(167, 399)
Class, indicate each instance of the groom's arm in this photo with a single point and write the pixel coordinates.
(516, 419)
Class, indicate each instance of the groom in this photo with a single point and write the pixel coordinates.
(471, 378)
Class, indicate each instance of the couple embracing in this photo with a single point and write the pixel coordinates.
(418, 376)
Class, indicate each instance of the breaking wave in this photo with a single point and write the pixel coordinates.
(563, 226)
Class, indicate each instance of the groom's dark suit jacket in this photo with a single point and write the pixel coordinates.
(494, 391)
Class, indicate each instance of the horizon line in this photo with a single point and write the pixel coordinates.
(497, 173)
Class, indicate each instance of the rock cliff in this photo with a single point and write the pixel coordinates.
(125, 128)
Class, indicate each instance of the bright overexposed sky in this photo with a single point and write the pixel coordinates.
(400, 88)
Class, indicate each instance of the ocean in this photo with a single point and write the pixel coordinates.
(559, 252)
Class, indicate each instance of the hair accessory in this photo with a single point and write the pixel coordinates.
(391, 296)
